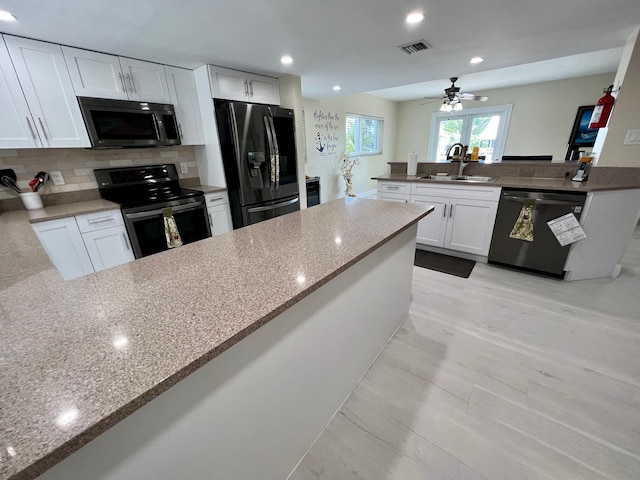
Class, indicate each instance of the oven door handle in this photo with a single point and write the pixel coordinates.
(273, 207)
(151, 213)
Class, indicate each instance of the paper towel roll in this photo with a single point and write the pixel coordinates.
(412, 164)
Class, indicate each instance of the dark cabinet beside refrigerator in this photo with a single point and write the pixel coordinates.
(260, 163)
(313, 191)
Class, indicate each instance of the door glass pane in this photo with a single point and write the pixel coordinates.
(449, 132)
(484, 131)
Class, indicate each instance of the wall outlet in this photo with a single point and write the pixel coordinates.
(183, 167)
(632, 137)
(56, 177)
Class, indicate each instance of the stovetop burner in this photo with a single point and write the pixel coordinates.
(137, 186)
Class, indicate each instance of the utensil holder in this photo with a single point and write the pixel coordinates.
(31, 200)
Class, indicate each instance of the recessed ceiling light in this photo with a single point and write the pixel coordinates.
(286, 59)
(415, 17)
(337, 88)
(7, 16)
(475, 60)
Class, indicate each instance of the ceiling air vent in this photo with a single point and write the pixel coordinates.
(415, 47)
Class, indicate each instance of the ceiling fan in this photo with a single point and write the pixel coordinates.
(453, 97)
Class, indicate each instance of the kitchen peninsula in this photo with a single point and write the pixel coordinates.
(228, 355)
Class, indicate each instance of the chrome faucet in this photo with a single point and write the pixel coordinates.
(462, 156)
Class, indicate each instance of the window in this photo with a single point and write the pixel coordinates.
(364, 134)
(485, 128)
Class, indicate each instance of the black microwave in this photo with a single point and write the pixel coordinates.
(123, 123)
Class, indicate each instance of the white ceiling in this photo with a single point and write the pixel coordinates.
(349, 42)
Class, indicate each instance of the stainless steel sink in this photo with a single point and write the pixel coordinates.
(464, 178)
(474, 178)
(445, 178)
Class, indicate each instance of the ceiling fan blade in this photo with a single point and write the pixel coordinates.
(471, 96)
(431, 100)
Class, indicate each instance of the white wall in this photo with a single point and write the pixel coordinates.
(541, 120)
(326, 165)
(625, 113)
(291, 97)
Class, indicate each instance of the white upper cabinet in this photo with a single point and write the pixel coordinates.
(108, 76)
(146, 81)
(182, 90)
(95, 74)
(263, 89)
(16, 124)
(47, 88)
(244, 87)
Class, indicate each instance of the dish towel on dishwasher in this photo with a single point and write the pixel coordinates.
(171, 229)
(523, 229)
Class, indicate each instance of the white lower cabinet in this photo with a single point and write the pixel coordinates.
(85, 244)
(463, 217)
(108, 247)
(63, 243)
(219, 213)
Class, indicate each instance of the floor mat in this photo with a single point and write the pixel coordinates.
(460, 267)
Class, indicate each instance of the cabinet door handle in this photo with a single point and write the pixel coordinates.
(450, 211)
(392, 187)
(124, 87)
(126, 240)
(93, 221)
(215, 199)
(130, 80)
(246, 88)
(33, 133)
(44, 130)
(444, 211)
(251, 87)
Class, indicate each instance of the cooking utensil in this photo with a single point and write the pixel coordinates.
(34, 183)
(10, 182)
(43, 177)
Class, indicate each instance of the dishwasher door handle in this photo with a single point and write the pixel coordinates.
(539, 201)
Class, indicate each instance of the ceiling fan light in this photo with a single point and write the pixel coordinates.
(457, 107)
(446, 107)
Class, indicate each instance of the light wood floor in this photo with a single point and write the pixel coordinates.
(500, 376)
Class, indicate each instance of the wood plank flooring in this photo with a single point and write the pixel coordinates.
(499, 376)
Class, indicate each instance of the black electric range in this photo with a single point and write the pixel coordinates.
(144, 194)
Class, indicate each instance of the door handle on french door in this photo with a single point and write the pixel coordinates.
(273, 207)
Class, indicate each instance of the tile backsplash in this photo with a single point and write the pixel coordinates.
(77, 164)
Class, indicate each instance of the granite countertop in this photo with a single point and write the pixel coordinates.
(76, 357)
(560, 184)
(69, 210)
(208, 188)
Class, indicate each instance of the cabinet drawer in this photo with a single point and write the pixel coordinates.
(456, 191)
(217, 198)
(393, 197)
(394, 187)
(90, 222)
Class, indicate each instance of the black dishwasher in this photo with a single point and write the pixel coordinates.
(544, 254)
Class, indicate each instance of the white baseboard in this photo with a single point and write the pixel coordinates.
(369, 194)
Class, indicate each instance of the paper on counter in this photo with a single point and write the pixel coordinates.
(567, 229)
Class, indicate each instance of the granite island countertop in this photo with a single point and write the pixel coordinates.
(543, 183)
(76, 357)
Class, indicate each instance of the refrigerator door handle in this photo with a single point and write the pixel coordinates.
(234, 129)
(272, 156)
(276, 152)
(273, 207)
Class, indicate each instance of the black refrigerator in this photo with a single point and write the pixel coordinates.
(259, 156)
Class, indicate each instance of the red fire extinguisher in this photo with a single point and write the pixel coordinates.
(601, 113)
